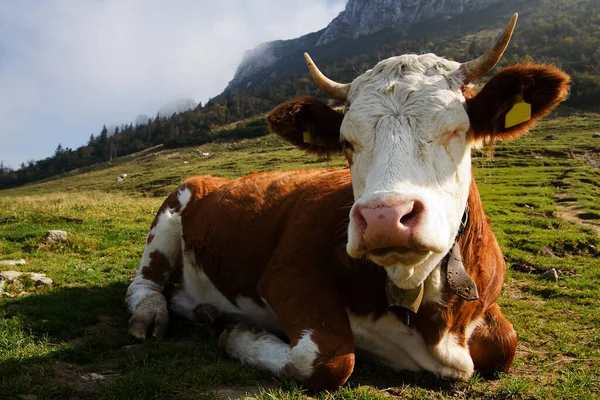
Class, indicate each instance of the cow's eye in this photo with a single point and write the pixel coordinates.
(346, 145)
(452, 135)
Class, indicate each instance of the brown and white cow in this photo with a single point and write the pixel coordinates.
(392, 257)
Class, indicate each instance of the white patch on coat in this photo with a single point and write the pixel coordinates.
(401, 117)
(259, 349)
(456, 357)
(389, 341)
(183, 196)
(167, 240)
(198, 289)
(183, 305)
(303, 356)
(264, 350)
(433, 286)
(472, 326)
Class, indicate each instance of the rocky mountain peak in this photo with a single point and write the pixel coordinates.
(359, 18)
(365, 17)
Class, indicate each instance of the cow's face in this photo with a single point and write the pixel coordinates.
(407, 131)
(405, 137)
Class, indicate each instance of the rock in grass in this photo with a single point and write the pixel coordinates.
(551, 275)
(40, 279)
(9, 276)
(596, 135)
(93, 377)
(12, 276)
(13, 262)
(56, 236)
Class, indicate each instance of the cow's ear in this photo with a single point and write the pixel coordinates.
(308, 124)
(514, 99)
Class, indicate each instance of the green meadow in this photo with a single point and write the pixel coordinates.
(69, 340)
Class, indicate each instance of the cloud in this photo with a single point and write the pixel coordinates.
(69, 66)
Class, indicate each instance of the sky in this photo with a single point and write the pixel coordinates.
(67, 67)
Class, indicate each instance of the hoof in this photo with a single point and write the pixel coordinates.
(151, 314)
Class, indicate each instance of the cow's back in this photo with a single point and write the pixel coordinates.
(243, 226)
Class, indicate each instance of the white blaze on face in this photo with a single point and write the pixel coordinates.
(406, 121)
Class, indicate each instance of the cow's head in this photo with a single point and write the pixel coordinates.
(407, 131)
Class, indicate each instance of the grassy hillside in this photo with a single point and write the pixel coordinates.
(541, 193)
(564, 33)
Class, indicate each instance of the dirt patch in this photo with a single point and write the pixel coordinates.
(533, 269)
(106, 327)
(85, 384)
(244, 392)
(566, 206)
(572, 214)
(591, 158)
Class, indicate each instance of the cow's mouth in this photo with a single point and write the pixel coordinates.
(389, 256)
(386, 250)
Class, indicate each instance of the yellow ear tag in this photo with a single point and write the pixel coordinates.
(307, 137)
(519, 113)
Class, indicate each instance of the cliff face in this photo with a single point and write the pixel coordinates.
(262, 57)
(365, 17)
(360, 18)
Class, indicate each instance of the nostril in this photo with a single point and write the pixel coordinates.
(359, 220)
(412, 216)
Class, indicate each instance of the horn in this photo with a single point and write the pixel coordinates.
(335, 90)
(484, 64)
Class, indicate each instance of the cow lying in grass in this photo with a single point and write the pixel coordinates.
(392, 256)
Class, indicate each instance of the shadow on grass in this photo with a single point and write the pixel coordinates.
(66, 334)
(52, 341)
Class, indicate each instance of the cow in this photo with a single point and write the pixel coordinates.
(391, 258)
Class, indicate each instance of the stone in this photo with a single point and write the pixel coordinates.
(13, 262)
(13, 277)
(40, 279)
(123, 176)
(551, 275)
(93, 377)
(131, 347)
(56, 236)
(596, 135)
(9, 276)
(119, 179)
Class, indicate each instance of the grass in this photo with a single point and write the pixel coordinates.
(541, 193)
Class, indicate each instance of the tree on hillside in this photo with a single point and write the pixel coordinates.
(103, 133)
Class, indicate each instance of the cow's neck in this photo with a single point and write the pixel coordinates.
(452, 268)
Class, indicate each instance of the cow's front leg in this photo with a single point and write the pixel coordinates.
(493, 343)
(161, 257)
(320, 353)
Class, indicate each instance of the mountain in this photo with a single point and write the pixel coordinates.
(563, 33)
(365, 17)
(177, 106)
(259, 60)
(359, 18)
